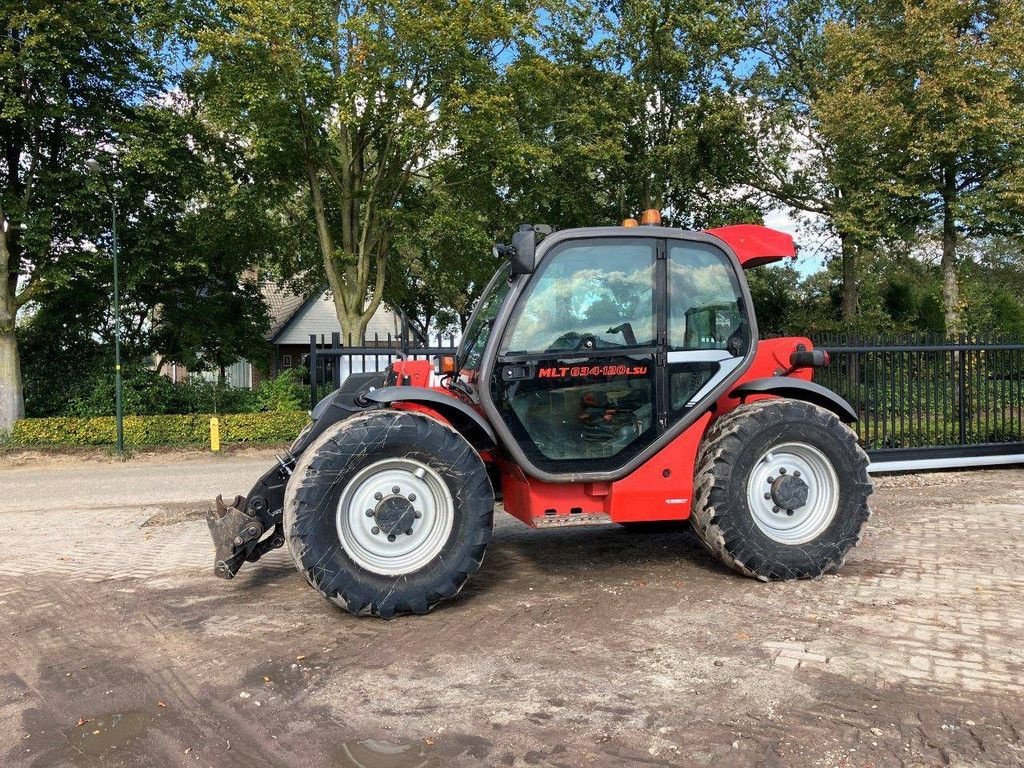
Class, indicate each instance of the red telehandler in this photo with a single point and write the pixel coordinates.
(608, 375)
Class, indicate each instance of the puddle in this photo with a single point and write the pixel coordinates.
(376, 753)
(107, 732)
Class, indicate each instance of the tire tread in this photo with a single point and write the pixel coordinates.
(351, 588)
(713, 481)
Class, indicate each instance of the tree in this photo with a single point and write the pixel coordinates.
(948, 111)
(68, 73)
(194, 231)
(687, 148)
(442, 256)
(604, 111)
(623, 106)
(350, 103)
(801, 160)
(189, 229)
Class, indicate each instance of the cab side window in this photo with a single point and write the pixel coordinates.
(705, 303)
(708, 332)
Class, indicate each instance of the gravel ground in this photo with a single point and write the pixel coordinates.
(595, 647)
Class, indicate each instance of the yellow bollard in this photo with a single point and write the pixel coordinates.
(214, 434)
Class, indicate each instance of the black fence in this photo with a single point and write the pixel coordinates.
(330, 362)
(916, 396)
(927, 397)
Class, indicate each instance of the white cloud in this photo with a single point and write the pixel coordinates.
(815, 241)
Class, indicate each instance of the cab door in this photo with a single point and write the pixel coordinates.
(576, 376)
(709, 330)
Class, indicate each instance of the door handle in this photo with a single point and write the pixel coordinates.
(516, 372)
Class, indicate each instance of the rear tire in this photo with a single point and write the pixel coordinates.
(781, 490)
(375, 550)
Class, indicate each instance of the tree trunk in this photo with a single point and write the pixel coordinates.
(349, 282)
(12, 403)
(850, 287)
(12, 398)
(353, 326)
(950, 285)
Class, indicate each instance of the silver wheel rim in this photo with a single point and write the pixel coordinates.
(395, 516)
(806, 521)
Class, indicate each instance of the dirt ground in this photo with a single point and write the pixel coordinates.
(586, 647)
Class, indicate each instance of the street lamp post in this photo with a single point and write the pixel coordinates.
(94, 167)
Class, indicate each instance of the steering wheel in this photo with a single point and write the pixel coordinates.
(573, 342)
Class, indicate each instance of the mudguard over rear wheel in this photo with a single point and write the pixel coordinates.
(389, 512)
(781, 490)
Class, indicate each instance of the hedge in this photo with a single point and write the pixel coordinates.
(193, 429)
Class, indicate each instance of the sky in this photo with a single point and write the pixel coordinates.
(814, 247)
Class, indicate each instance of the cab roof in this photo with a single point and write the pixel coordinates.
(755, 245)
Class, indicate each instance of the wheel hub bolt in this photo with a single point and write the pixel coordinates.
(789, 492)
(776, 510)
(418, 514)
(409, 532)
(378, 496)
(375, 530)
(391, 537)
(770, 480)
(412, 497)
(396, 490)
(782, 470)
(789, 512)
(768, 494)
(369, 513)
(796, 473)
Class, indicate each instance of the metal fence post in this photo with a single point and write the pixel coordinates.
(962, 391)
(312, 372)
(336, 359)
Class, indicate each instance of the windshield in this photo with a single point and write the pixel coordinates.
(479, 330)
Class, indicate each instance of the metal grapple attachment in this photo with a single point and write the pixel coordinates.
(235, 536)
(240, 530)
(252, 525)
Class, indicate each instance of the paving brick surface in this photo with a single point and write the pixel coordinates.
(586, 647)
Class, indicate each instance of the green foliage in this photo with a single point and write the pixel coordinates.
(942, 119)
(381, 149)
(90, 393)
(285, 392)
(146, 392)
(775, 291)
(81, 80)
(69, 74)
(343, 106)
(274, 427)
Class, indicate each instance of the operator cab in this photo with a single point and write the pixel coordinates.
(593, 347)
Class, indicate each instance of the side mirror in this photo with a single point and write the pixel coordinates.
(524, 252)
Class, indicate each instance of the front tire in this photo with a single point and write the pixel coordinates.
(388, 512)
(781, 490)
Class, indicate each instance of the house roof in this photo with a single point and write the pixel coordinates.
(282, 305)
(291, 314)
